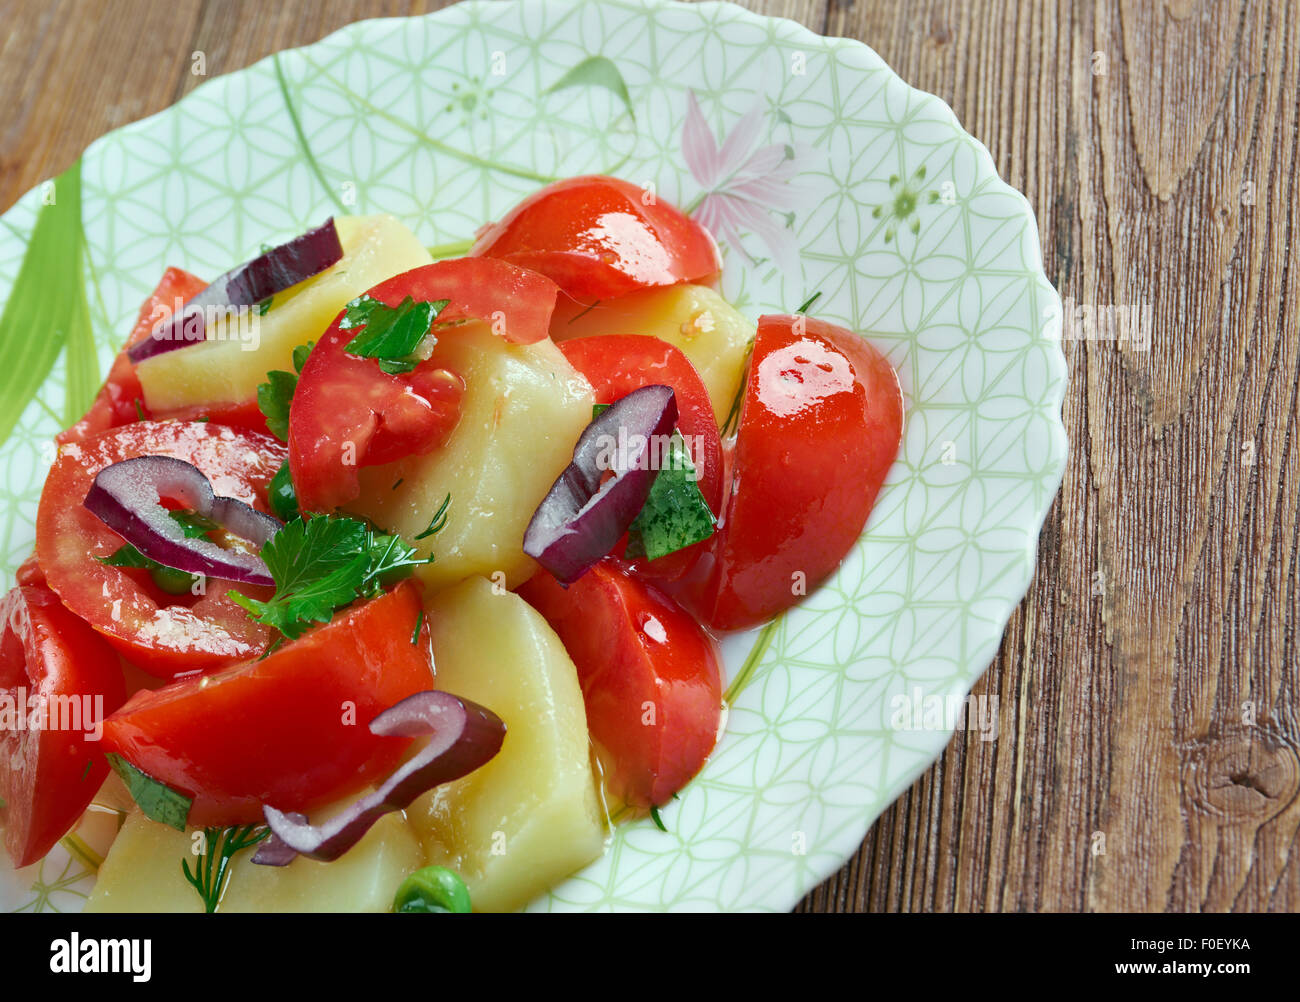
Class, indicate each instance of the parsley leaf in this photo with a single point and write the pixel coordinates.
(675, 514)
(276, 394)
(323, 563)
(283, 497)
(156, 799)
(391, 334)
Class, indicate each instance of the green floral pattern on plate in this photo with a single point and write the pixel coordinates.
(445, 121)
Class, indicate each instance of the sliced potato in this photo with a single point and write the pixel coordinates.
(531, 816)
(226, 368)
(142, 873)
(706, 328)
(523, 410)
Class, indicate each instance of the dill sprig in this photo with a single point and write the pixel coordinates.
(211, 872)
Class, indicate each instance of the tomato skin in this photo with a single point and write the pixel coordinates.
(290, 730)
(48, 776)
(157, 632)
(348, 413)
(597, 238)
(115, 403)
(633, 646)
(617, 364)
(820, 426)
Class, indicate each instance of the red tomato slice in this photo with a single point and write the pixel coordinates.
(348, 413)
(163, 634)
(48, 774)
(599, 237)
(617, 364)
(290, 730)
(820, 426)
(115, 404)
(649, 677)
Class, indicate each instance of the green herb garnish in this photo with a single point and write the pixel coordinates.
(283, 498)
(810, 300)
(139, 410)
(391, 334)
(675, 514)
(322, 564)
(170, 579)
(264, 306)
(194, 525)
(432, 889)
(157, 800)
(211, 873)
(438, 522)
(659, 822)
(415, 634)
(276, 394)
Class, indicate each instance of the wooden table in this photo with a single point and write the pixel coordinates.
(1148, 685)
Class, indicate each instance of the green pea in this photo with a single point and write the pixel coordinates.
(433, 889)
(172, 581)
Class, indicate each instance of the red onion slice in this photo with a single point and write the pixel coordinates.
(463, 736)
(580, 519)
(247, 285)
(127, 497)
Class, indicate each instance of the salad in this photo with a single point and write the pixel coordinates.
(371, 582)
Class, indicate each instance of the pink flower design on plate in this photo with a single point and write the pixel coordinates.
(747, 187)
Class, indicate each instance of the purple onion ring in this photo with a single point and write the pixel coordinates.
(580, 520)
(463, 736)
(127, 497)
(247, 285)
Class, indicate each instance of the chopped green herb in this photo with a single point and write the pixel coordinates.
(169, 579)
(391, 334)
(808, 303)
(415, 634)
(283, 498)
(397, 483)
(273, 399)
(659, 822)
(211, 872)
(598, 409)
(322, 564)
(194, 525)
(733, 415)
(276, 394)
(579, 316)
(397, 368)
(139, 410)
(264, 306)
(439, 520)
(128, 556)
(157, 800)
(675, 515)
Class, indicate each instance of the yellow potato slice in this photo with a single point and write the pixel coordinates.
(523, 410)
(532, 815)
(704, 326)
(226, 368)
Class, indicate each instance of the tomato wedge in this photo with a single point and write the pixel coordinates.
(290, 730)
(116, 402)
(617, 364)
(649, 676)
(163, 634)
(599, 237)
(348, 413)
(50, 770)
(820, 426)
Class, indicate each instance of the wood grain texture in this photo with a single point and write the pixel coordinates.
(1148, 691)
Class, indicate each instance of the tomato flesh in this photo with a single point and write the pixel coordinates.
(600, 237)
(649, 675)
(290, 730)
(348, 413)
(117, 401)
(820, 426)
(49, 774)
(163, 634)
